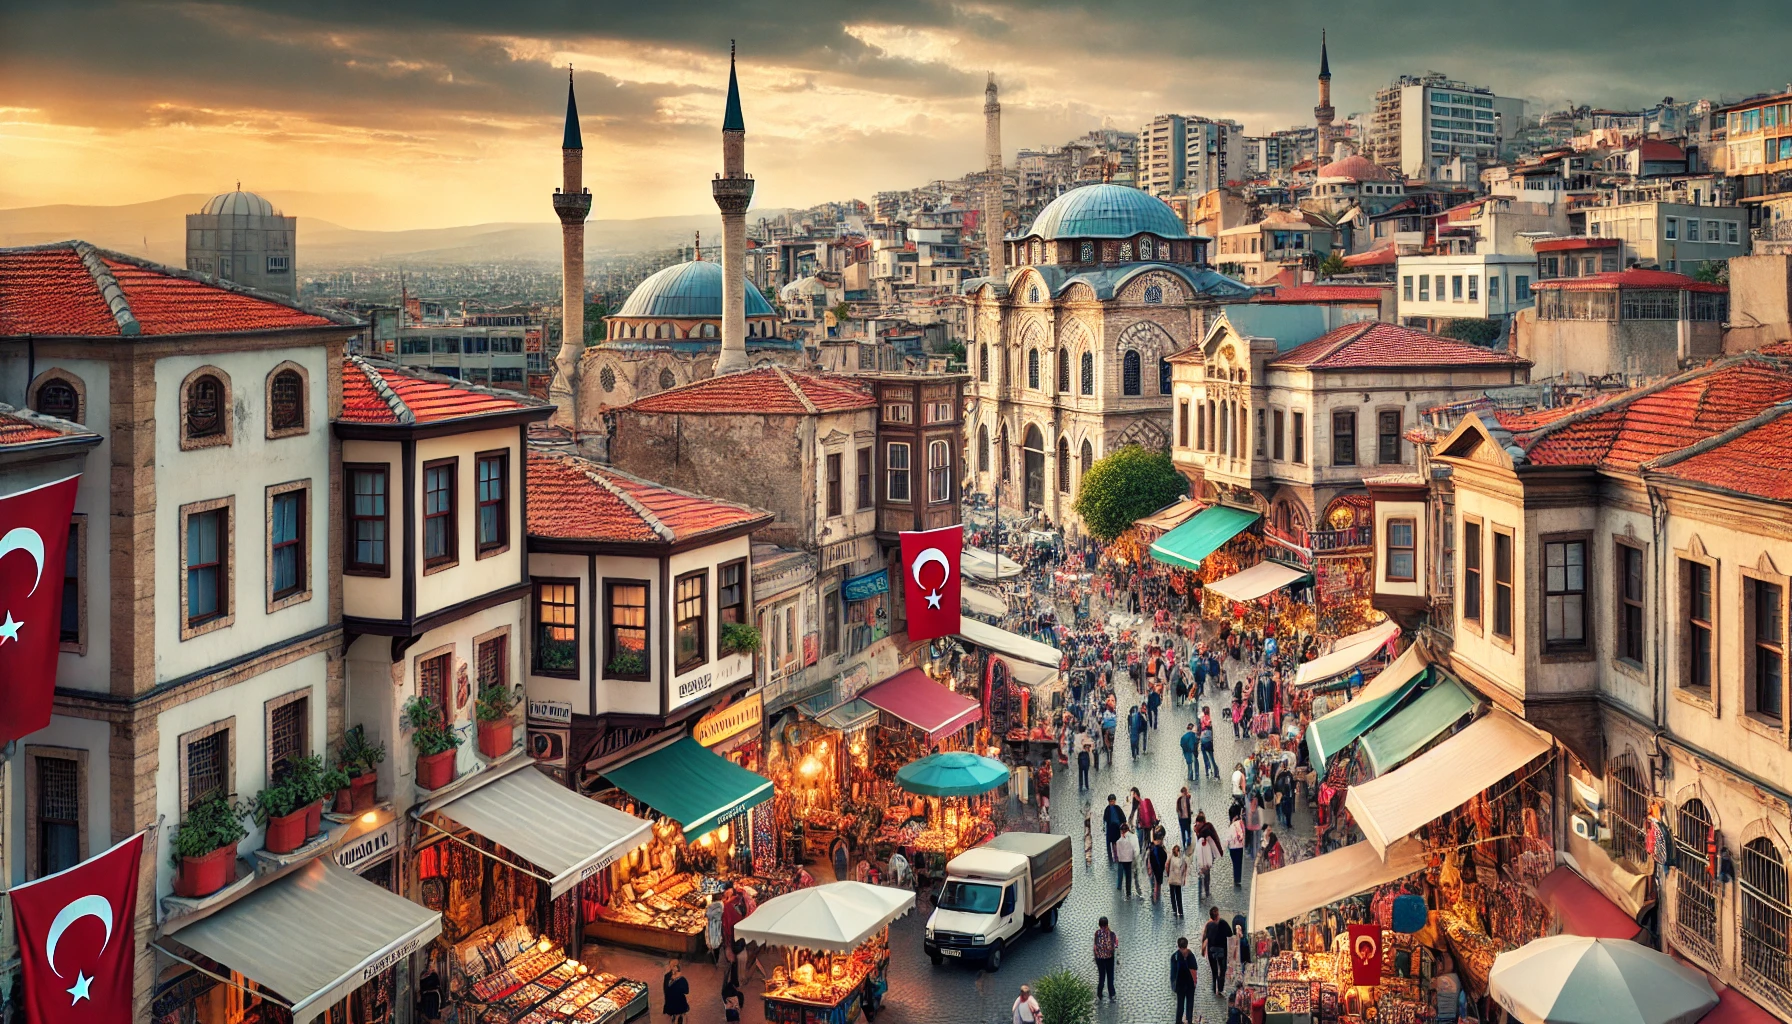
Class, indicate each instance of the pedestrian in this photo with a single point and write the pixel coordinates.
(1213, 945)
(1176, 874)
(1084, 747)
(1191, 742)
(1184, 807)
(1153, 701)
(1135, 729)
(1026, 1008)
(1113, 820)
(1285, 796)
(1108, 723)
(1183, 974)
(1042, 783)
(1235, 847)
(1253, 823)
(1207, 853)
(1208, 764)
(1157, 859)
(1273, 855)
(1088, 840)
(1126, 853)
(1106, 945)
(712, 930)
(1238, 785)
(675, 989)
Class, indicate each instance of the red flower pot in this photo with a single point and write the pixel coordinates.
(344, 802)
(314, 818)
(361, 790)
(495, 738)
(202, 876)
(286, 833)
(435, 770)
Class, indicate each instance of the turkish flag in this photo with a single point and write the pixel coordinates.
(34, 527)
(930, 563)
(1365, 954)
(78, 938)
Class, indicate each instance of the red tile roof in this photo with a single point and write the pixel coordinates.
(73, 288)
(19, 426)
(1655, 149)
(1752, 461)
(573, 498)
(376, 392)
(1325, 293)
(1563, 244)
(1375, 345)
(771, 391)
(1633, 278)
(1382, 256)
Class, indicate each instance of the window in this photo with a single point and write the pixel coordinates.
(1628, 800)
(207, 568)
(1766, 642)
(207, 767)
(1063, 371)
(1088, 373)
(1064, 464)
(625, 629)
(1033, 368)
(1521, 287)
(72, 605)
(207, 408)
(1086, 253)
(1695, 626)
(1164, 375)
(1261, 433)
(1280, 448)
(830, 622)
(58, 812)
(1766, 920)
(1502, 584)
(1630, 602)
(982, 449)
(1731, 232)
(1344, 437)
(366, 520)
(1493, 287)
(939, 471)
(1088, 456)
(1129, 374)
(1565, 594)
(833, 483)
(1455, 288)
(1474, 287)
(731, 592)
(690, 632)
(1401, 550)
(862, 463)
(1671, 229)
(439, 529)
(899, 412)
(1696, 895)
(896, 461)
(557, 628)
(1406, 287)
(1424, 287)
(286, 403)
(57, 397)
(287, 565)
(279, 264)
(1300, 438)
(492, 489)
(1182, 424)
(1692, 229)
(983, 363)
(1387, 437)
(287, 733)
(492, 662)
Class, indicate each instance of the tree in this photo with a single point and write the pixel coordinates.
(1065, 998)
(594, 321)
(1331, 266)
(1125, 486)
(842, 311)
(1472, 331)
(1713, 272)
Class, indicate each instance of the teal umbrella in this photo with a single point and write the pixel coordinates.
(955, 773)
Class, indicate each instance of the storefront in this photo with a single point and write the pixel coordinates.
(1021, 686)
(866, 599)
(836, 942)
(828, 802)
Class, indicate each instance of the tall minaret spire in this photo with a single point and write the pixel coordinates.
(992, 186)
(572, 204)
(733, 192)
(1323, 113)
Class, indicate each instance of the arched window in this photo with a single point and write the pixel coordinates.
(1033, 368)
(1125, 252)
(982, 449)
(1088, 458)
(983, 362)
(1695, 890)
(1086, 253)
(1033, 294)
(708, 330)
(1038, 251)
(1144, 248)
(1064, 465)
(939, 471)
(1163, 375)
(1002, 450)
(1766, 918)
(286, 401)
(1088, 373)
(1129, 373)
(206, 416)
(1154, 295)
(57, 397)
(1063, 371)
(1629, 802)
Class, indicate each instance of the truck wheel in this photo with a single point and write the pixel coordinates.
(994, 963)
(937, 959)
(1050, 920)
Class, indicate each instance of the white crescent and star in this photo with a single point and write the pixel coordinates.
(927, 557)
(21, 538)
(1365, 948)
(92, 906)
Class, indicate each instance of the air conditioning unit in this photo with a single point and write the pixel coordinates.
(1585, 827)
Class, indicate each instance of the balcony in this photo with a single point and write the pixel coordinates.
(1351, 539)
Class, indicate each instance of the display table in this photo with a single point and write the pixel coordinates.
(836, 1000)
(541, 986)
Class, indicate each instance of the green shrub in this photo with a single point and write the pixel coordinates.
(1125, 486)
(209, 825)
(1065, 998)
(739, 638)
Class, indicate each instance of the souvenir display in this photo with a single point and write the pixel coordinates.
(827, 988)
(513, 977)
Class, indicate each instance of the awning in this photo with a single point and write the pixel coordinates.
(1186, 545)
(691, 784)
(1030, 674)
(1443, 778)
(564, 834)
(923, 703)
(836, 917)
(1335, 730)
(1583, 910)
(1167, 519)
(1735, 1008)
(1347, 653)
(983, 565)
(1288, 892)
(1012, 644)
(313, 936)
(982, 602)
(1417, 724)
(848, 716)
(1260, 580)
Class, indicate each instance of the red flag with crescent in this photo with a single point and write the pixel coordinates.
(931, 581)
(1365, 954)
(78, 939)
(34, 527)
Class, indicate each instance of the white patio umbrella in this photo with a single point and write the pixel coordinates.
(835, 917)
(1572, 979)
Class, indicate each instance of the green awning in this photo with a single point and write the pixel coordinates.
(1186, 545)
(691, 785)
(1336, 729)
(1417, 724)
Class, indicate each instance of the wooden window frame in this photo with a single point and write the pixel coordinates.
(834, 483)
(1280, 451)
(1299, 425)
(451, 557)
(1622, 551)
(609, 626)
(304, 424)
(501, 635)
(831, 623)
(535, 626)
(745, 604)
(482, 547)
(350, 566)
(445, 655)
(1412, 549)
(1748, 580)
(1684, 562)
(1567, 650)
(183, 747)
(33, 836)
(701, 657)
(227, 572)
(906, 472)
(1347, 416)
(1505, 637)
(302, 592)
(865, 471)
(268, 709)
(1474, 564)
(77, 525)
(54, 375)
(1381, 437)
(940, 495)
(226, 434)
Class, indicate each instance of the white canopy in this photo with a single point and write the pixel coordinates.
(981, 601)
(1260, 580)
(1390, 807)
(1030, 674)
(984, 565)
(1573, 979)
(1347, 653)
(835, 918)
(1173, 515)
(1013, 645)
(1289, 892)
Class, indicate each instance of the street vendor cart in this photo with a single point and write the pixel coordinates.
(836, 939)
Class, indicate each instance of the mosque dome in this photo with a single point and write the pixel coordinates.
(1106, 211)
(691, 291)
(1356, 167)
(240, 202)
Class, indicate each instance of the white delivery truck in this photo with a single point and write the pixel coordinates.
(996, 891)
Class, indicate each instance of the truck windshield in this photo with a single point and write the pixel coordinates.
(970, 897)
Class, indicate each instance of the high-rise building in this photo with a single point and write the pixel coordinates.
(1163, 155)
(1423, 123)
(1213, 154)
(239, 237)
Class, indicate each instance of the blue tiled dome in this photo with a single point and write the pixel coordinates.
(689, 291)
(1106, 211)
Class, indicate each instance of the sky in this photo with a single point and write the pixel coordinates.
(431, 113)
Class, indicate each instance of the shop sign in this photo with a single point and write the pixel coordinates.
(853, 680)
(551, 711)
(365, 849)
(384, 963)
(732, 720)
(693, 688)
(840, 553)
(870, 585)
(787, 573)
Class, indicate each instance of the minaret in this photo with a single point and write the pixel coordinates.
(733, 191)
(572, 204)
(992, 187)
(1323, 113)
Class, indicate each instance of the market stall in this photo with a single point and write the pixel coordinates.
(1185, 546)
(1346, 653)
(911, 698)
(514, 977)
(1259, 581)
(959, 813)
(827, 800)
(836, 939)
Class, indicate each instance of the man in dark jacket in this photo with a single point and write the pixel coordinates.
(1113, 819)
(1184, 968)
(1190, 746)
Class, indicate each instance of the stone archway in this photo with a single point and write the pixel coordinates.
(1033, 448)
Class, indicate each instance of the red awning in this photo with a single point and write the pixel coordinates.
(1583, 909)
(1735, 1008)
(911, 696)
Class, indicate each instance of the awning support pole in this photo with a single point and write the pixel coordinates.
(485, 853)
(256, 992)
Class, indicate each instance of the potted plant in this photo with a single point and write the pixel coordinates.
(278, 808)
(739, 638)
(204, 847)
(627, 663)
(307, 777)
(497, 732)
(435, 742)
(336, 783)
(361, 759)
